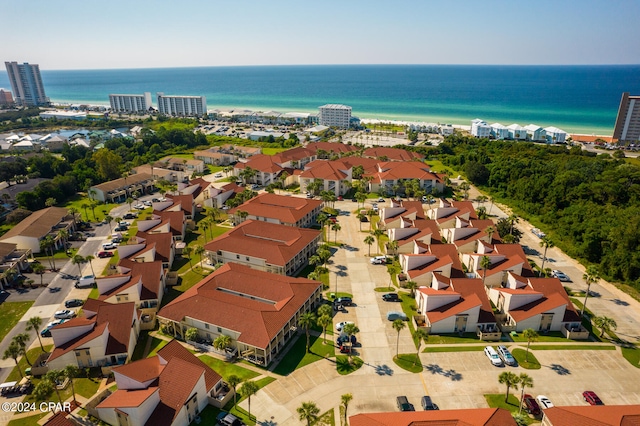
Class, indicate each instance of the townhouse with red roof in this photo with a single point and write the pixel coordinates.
(390, 177)
(466, 417)
(467, 235)
(167, 221)
(427, 260)
(392, 154)
(334, 176)
(170, 388)
(446, 213)
(258, 310)
(280, 209)
(504, 258)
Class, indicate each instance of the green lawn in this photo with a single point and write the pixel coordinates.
(453, 338)
(226, 369)
(496, 400)
(86, 387)
(27, 421)
(156, 345)
(552, 336)
(87, 215)
(138, 352)
(576, 347)
(409, 308)
(344, 367)
(521, 354)
(326, 419)
(11, 313)
(273, 151)
(632, 354)
(298, 357)
(384, 289)
(409, 362)
(453, 349)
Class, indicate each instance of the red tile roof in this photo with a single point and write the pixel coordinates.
(394, 154)
(277, 244)
(223, 299)
(185, 201)
(338, 148)
(175, 220)
(263, 163)
(595, 415)
(163, 242)
(540, 306)
(394, 170)
(141, 371)
(463, 417)
(174, 349)
(327, 170)
(177, 382)
(287, 210)
(127, 398)
(472, 293)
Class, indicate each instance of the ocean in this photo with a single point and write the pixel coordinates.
(578, 99)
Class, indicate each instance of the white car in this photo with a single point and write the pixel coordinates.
(139, 206)
(544, 402)
(147, 203)
(560, 275)
(124, 223)
(493, 356)
(341, 325)
(65, 314)
(378, 260)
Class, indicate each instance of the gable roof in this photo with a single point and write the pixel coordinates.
(174, 349)
(38, 224)
(122, 182)
(142, 370)
(462, 417)
(594, 415)
(393, 154)
(285, 209)
(325, 169)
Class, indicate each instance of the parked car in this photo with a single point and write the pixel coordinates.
(345, 349)
(493, 356)
(124, 223)
(309, 195)
(403, 404)
(560, 275)
(341, 325)
(506, 356)
(592, 398)
(378, 260)
(427, 404)
(139, 206)
(381, 200)
(121, 228)
(394, 315)
(104, 254)
(65, 314)
(544, 402)
(531, 405)
(130, 215)
(228, 419)
(147, 203)
(343, 338)
(538, 233)
(391, 297)
(345, 301)
(73, 303)
(108, 246)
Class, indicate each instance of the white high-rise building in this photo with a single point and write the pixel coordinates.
(335, 115)
(26, 83)
(130, 103)
(181, 105)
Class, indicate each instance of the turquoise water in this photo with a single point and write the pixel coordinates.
(581, 99)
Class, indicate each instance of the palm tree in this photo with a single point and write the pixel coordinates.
(73, 212)
(85, 206)
(511, 380)
(205, 226)
(187, 251)
(42, 390)
(324, 321)
(63, 235)
(71, 371)
(78, 260)
(38, 269)
(248, 389)
(52, 376)
(420, 335)
(34, 323)
(129, 201)
(199, 251)
(109, 219)
(306, 321)
(308, 411)
(485, 263)
(345, 399)
(360, 217)
(525, 382)
(13, 351)
(49, 243)
(88, 260)
(393, 246)
(350, 329)
(546, 243)
(242, 214)
(369, 240)
(22, 339)
(234, 381)
(222, 342)
(490, 230)
(531, 335)
(605, 324)
(336, 227)
(398, 325)
(591, 276)
(513, 219)
(412, 286)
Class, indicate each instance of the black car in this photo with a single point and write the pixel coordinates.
(73, 303)
(391, 297)
(121, 228)
(427, 404)
(403, 404)
(344, 301)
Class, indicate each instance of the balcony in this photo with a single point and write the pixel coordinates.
(575, 333)
(489, 334)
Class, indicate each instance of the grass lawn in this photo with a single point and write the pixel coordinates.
(453, 338)
(113, 261)
(384, 289)
(273, 151)
(437, 166)
(241, 413)
(521, 354)
(27, 421)
(298, 357)
(632, 354)
(156, 345)
(409, 362)
(552, 336)
(138, 352)
(577, 347)
(11, 313)
(409, 308)
(326, 419)
(344, 367)
(453, 348)
(86, 387)
(87, 215)
(330, 295)
(496, 400)
(226, 369)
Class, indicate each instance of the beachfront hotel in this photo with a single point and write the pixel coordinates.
(181, 105)
(628, 120)
(335, 115)
(130, 103)
(26, 83)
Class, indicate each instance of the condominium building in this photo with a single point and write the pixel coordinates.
(181, 105)
(628, 121)
(335, 115)
(130, 103)
(480, 128)
(5, 97)
(26, 83)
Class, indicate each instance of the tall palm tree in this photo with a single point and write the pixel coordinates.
(38, 269)
(377, 234)
(511, 380)
(34, 323)
(199, 251)
(13, 351)
(360, 218)
(53, 376)
(605, 324)
(350, 329)
(412, 286)
(398, 325)
(324, 321)
(393, 246)
(591, 276)
(336, 227)
(248, 389)
(485, 263)
(85, 206)
(63, 235)
(531, 335)
(345, 399)
(490, 230)
(234, 381)
(129, 201)
(525, 382)
(308, 411)
(420, 335)
(71, 372)
(369, 240)
(88, 259)
(547, 244)
(22, 339)
(513, 219)
(187, 251)
(109, 219)
(78, 260)
(204, 223)
(306, 321)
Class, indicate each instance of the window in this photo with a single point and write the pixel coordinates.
(206, 326)
(247, 258)
(219, 330)
(237, 256)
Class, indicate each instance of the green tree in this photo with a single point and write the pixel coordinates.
(199, 251)
(591, 276)
(109, 219)
(43, 390)
(71, 372)
(79, 261)
(336, 227)
(525, 382)
(324, 321)
(369, 240)
(13, 351)
(393, 247)
(547, 244)
(485, 264)
(306, 321)
(50, 202)
(21, 340)
(420, 335)
(345, 399)
(89, 259)
(187, 252)
(308, 411)
(34, 323)
(53, 376)
(222, 342)
(234, 381)
(398, 325)
(531, 335)
(605, 324)
(511, 380)
(107, 164)
(38, 269)
(191, 334)
(412, 286)
(248, 389)
(350, 329)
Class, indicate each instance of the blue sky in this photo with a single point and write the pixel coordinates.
(71, 34)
